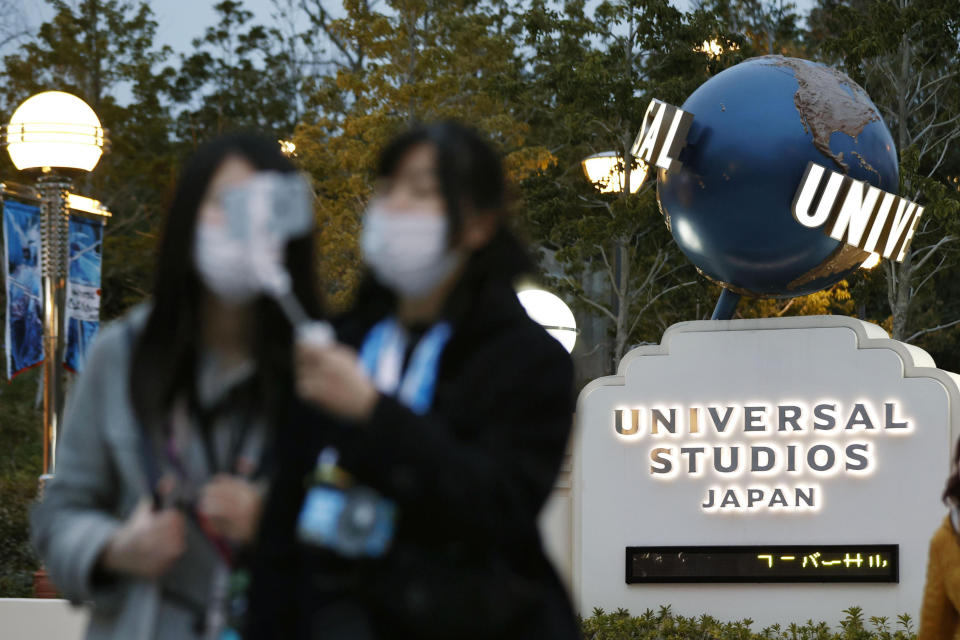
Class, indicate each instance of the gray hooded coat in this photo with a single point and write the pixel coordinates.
(99, 481)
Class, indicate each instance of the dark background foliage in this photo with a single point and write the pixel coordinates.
(548, 82)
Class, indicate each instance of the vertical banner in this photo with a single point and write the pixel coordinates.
(83, 289)
(24, 318)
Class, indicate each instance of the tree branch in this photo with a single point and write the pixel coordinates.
(932, 273)
(923, 332)
(932, 249)
(609, 268)
(598, 306)
(654, 299)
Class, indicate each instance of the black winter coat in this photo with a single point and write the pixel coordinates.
(468, 479)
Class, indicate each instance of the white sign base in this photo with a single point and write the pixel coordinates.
(842, 437)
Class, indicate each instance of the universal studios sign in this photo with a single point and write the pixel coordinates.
(766, 447)
(808, 452)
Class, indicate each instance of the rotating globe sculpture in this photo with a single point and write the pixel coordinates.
(756, 126)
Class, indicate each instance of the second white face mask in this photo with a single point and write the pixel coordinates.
(408, 252)
(224, 265)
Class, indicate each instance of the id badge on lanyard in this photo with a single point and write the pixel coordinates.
(353, 520)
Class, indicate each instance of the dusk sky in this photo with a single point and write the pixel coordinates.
(180, 21)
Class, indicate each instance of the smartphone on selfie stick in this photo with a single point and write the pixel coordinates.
(264, 214)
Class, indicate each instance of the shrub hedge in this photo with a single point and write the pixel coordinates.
(665, 625)
(21, 452)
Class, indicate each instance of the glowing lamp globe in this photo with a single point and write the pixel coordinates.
(55, 130)
(605, 171)
(551, 313)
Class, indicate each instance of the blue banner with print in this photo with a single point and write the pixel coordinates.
(24, 321)
(82, 318)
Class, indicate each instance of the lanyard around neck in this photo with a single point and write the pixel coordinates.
(382, 355)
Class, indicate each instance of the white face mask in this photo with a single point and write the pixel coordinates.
(224, 264)
(408, 252)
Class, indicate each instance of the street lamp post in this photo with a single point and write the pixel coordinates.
(609, 172)
(54, 134)
(54, 228)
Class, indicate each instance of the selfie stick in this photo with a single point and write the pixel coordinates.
(265, 214)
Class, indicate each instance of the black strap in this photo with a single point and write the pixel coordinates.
(147, 452)
(241, 395)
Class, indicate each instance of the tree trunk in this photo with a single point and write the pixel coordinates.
(594, 352)
(900, 296)
(623, 258)
(900, 275)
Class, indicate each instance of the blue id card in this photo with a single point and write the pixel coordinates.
(320, 514)
(356, 522)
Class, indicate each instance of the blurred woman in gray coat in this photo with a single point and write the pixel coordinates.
(160, 461)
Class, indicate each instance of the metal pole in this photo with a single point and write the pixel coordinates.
(55, 222)
(55, 251)
(726, 305)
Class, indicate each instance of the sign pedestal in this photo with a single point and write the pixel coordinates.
(782, 456)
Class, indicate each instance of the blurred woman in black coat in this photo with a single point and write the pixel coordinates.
(445, 406)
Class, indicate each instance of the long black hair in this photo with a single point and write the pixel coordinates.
(472, 181)
(164, 358)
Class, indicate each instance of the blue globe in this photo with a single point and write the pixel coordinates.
(756, 126)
